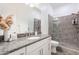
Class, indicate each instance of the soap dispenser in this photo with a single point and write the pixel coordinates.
(36, 33)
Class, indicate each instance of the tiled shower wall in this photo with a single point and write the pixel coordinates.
(68, 33)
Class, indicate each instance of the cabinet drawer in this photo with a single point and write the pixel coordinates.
(37, 45)
(18, 52)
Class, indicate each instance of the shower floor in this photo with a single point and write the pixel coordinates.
(69, 45)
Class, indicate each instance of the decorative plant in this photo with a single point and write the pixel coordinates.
(5, 24)
(9, 20)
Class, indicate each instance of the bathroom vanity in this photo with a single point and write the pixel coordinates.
(25, 46)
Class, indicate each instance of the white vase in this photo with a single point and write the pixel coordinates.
(6, 36)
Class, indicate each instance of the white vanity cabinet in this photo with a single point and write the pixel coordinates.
(18, 52)
(46, 47)
(42, 47)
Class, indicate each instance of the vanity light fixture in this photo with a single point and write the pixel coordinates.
(32, 4)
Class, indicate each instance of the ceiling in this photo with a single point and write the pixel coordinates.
(58, 9)
(58, 5)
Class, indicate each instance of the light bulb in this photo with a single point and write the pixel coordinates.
(32, 5)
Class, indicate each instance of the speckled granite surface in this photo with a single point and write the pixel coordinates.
(6, 47)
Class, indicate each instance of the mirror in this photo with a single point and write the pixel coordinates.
(25, 20)
(24, 17)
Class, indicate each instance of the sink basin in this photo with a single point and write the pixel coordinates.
(32, 38)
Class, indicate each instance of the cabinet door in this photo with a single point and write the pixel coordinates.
(46, 49)
(18, 52)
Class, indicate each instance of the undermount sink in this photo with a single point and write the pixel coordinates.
(31, 38)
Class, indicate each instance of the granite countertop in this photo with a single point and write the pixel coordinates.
(8, 47)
